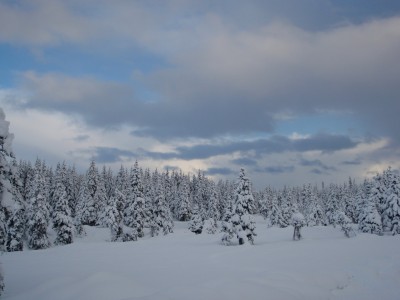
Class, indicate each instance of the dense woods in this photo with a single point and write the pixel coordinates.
(42, 206)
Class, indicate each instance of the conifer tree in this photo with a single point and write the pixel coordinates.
(212, 215)
(162, 218)
(113, 215)
(391, 204)
(184, 206)
(276, 217)
(62, 220)
(241, 221)
(37, 220)
(134, 215)
(345, 224)
(314, 212)
(196, 222)
(370, 220)
(332, 205)
(12, 205)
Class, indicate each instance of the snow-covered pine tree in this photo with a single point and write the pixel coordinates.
(184, 206)
(276, 217)
(88, 202)
(162, 218)
(62, 220)
(314, 213)
(227, 226)
(345, 224)
(113, 215)
(101, 200)
(212, 214)
(286, 205)
(362, 197)
(332, 205)
(391, 204)
(37, 219)
(73, 184)
(350, 200)
(266, 202)
(241, 222)
(149, 186)
(12, 206)
(196, 222)
(134, 215)
(369, 218)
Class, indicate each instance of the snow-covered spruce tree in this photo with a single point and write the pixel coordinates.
(62, 221)
(391, 204)
(266, 202)
(149, 186)
(297, 221)
(241, 222)
(286, 207)
(332, 205)
(227, 226)
(362, 198)
(350, 200)
(88, 200)
(12, 206)
(113, 215)
(212, 215)
(162, 218)
(369, 218)
(313, 209)
(134, 215)
(345, 224)
(196, 222)
(37, 220)
(276, 217)
(184, 206)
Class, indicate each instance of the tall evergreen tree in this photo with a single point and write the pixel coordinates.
(196, 222)
(113, 215)
(391, 204)
(134, 215)
(184, 212)
(369, 218)
(37, 215)
(162, 218)
(241, 221)
(62, 220)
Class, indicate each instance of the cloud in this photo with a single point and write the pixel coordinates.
(106, 155)
(81, 138)
(275, 144)
(315, 162)
(277, 169)
(356, 161)
(244, 161)
(219, 171)
(233, 82)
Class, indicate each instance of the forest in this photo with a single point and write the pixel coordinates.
(37, 199)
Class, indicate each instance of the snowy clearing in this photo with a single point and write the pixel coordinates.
(182, 265)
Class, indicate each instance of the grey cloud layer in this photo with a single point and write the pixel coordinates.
(275, 144)
(237, 82)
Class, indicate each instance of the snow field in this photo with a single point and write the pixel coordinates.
(182, 265)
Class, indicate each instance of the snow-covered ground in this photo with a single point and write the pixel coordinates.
(323, 265)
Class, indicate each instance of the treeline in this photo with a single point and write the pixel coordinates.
(133, 201)
(136, 199)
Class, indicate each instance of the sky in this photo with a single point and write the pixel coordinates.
(294, 91)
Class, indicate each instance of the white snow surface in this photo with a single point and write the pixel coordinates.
(182, 265)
